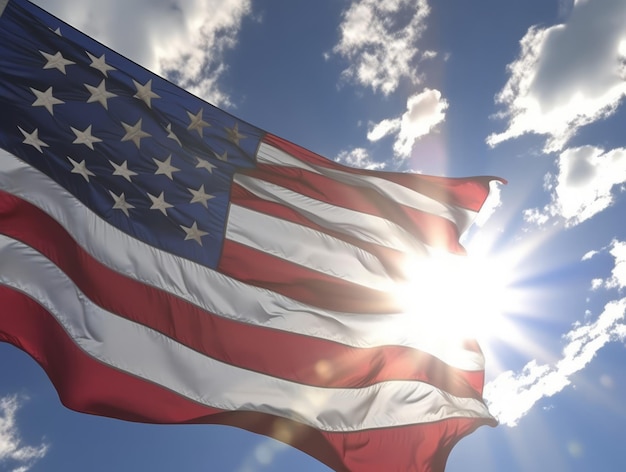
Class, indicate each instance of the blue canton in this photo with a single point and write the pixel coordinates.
(146, 156)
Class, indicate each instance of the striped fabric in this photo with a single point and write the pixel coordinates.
(166, 262)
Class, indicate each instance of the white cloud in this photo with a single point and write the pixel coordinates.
(589, 254)
(379, 38)
(384, 128)
(567, 75)
(536, 216)
(584, 185)
(264, 455)
(596, 284)
(359, 158)
(618, 274)
(12, 450)
(183, 40)
(511, 395)
(425, 110)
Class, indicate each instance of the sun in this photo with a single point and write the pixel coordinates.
(464, 297)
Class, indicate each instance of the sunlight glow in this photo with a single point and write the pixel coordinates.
(488, 295)
(459, 296)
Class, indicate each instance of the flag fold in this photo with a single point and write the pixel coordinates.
(167, 262)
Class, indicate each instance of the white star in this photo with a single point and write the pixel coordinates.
(121, 203)
(99, 94)
(100, 64)
(159, 203)
(33, 139)
(223, 157)
(199, 196)
(197, 122)
(57, 31)
(134, 133)
(202, 164)
(80, 168)
(194, 233)
(122, 170)
(234, 135)
(45, 99)
(170, 134)
(145, 93)
(56, 61)
(165, 167)
(85, 137)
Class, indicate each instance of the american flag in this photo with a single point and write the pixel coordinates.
(167, 262)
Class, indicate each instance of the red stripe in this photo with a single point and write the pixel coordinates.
(89, 386)
(468, 192)
(290, 356)
(86, 385)
(392, 259)
(434, 230)
(300, 283)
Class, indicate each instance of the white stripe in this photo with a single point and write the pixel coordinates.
(306, 247)
(369, 228)
(461, 217)
(3, 4)
(213, 291)
(147, 354)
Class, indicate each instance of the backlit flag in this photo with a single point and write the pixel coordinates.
(166, 262)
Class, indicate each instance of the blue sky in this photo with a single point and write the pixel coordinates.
(529, 90)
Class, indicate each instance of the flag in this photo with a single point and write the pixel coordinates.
(166, 262)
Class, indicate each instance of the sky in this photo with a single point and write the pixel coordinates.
(528, 90)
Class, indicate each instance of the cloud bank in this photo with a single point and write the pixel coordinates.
(425, 110)
(567, 75)
(360, 159)
(585, 184)
(379, 38)
(618, 275)
(13, 453)
(511, 395)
